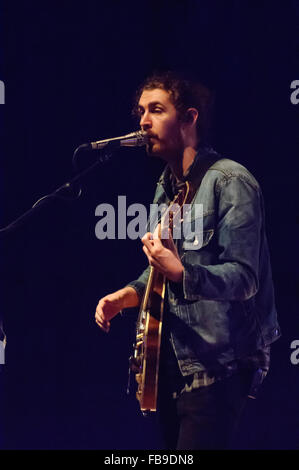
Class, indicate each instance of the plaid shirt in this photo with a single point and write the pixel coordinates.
(259, 362)
(170, 373)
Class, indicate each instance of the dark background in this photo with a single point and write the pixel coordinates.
(70, 71)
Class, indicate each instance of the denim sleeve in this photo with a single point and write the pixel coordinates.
(140, 283)
(235, 276)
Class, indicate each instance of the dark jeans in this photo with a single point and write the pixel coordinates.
(205, 418)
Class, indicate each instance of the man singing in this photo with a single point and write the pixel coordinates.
(219, 313)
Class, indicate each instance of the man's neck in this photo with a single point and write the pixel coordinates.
(179, 166)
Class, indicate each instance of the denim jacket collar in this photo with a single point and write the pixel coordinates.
(204, 158)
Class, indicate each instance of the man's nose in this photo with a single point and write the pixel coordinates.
(145, 121)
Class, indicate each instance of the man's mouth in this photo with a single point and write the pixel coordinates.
(151, 137)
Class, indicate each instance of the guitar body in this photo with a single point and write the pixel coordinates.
(146, 358)
(148, 341)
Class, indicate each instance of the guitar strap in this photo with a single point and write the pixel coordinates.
(199, 167)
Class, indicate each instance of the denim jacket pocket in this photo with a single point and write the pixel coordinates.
(197, 240)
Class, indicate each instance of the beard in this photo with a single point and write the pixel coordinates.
(166, 150)
(153, 147)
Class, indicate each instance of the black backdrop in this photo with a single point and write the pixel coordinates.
(70, 71)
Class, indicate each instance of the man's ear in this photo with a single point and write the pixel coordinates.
(189, 126)
(191, 116)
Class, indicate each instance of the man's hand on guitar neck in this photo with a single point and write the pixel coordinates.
(110, 305)
(163, 256)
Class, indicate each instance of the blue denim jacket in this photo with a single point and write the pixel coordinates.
(224, 309)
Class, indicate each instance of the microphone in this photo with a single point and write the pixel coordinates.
(134, 139)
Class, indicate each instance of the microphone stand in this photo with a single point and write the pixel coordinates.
(61, 192)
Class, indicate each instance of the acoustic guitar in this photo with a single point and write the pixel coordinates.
(146, 356)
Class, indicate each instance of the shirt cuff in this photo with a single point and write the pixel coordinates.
(139, 287)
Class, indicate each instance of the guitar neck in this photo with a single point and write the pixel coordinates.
(148, 288)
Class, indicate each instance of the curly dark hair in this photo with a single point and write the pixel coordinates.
(184, 93)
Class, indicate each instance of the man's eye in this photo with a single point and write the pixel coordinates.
(157, 110)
